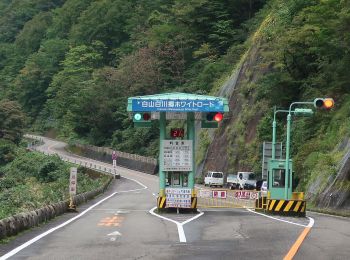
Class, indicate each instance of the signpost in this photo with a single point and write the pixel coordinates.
(72, 187)
(73, 181)
(114, 159)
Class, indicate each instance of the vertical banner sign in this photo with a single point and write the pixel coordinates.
(73, 181)
(114, 159)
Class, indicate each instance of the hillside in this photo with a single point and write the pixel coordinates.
(70, 66)
(298, 53)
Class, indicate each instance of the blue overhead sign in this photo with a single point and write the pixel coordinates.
(177, 105)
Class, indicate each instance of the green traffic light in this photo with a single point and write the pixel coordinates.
(137, 116)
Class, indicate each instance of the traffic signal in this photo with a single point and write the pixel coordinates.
(325, 103)
(211, 119)
(142, 119)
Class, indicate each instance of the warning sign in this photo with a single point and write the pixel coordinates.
(219, 194)
(178, 198)
(252, 195)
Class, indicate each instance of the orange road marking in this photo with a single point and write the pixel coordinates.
(294, 249)
(113, 221)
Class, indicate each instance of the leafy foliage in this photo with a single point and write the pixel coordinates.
(12, 121)
(72, 64)
(33, 180)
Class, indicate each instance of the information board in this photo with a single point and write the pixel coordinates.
(177, 155)
(178, 105)
(178, 198)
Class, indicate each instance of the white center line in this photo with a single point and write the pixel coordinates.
(180, 229)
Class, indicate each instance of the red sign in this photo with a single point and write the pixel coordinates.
(246, 195)
(177, 132)
(219, 194)
(114, 155)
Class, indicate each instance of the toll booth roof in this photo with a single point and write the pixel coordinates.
(177, 102)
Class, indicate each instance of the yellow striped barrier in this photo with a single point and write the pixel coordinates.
(286, 207)
(161, 202)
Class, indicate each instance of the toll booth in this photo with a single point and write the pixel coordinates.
(177, 145)
(279, 183)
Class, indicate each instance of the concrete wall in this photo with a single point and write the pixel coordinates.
(131, 161)
(13, 225)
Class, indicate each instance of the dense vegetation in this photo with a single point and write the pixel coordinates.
(304, 53)
(33, 180)
(29, 180)
(70, 65)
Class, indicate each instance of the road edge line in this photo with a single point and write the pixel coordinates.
(278, 219)
(295, 247)
(38, 237)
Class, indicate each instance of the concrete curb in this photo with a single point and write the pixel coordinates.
(11, 226)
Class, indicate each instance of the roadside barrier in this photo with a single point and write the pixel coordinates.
(294, 207)
(161, 202)
(131, 161)
(224, 198)
(12, 225)
(286, 207)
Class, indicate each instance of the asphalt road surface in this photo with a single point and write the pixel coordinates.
(122, 224)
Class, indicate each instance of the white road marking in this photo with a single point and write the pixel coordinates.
(311, 220)
(35, 239)
(180, 229)
(115, 233)
(122, 212)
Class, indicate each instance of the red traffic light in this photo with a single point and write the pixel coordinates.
(218, 117)
(146, 116)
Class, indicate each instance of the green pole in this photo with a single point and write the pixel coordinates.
(286, 183)
(162, 129)
(191, 131)
(288, 176)
(274, 135)
(274, 126)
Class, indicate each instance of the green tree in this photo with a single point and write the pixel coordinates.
(34, 79)
(12, 121)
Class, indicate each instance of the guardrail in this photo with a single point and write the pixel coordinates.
(131, 161)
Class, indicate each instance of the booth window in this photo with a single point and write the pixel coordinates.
(176, 179)
(185, 180)
(278, 178)
(168, 179)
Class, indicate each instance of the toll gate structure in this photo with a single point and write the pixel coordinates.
(177, 146)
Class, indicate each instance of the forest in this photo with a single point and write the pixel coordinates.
(68, 67)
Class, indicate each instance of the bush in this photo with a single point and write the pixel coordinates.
(7, 151)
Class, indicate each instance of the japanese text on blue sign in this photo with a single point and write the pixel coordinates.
(178, 105)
